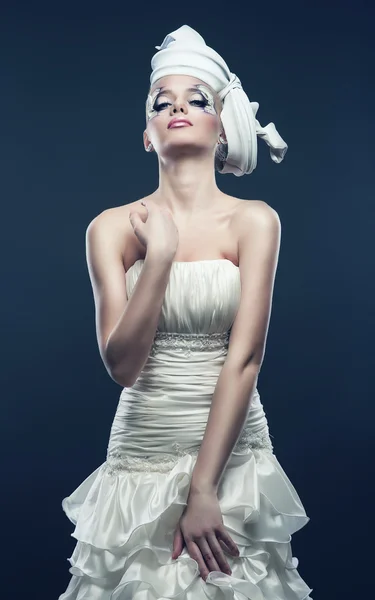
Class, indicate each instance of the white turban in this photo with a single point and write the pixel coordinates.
(184, 52)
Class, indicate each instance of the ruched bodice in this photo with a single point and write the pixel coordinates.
(165, 412)
(201, 296)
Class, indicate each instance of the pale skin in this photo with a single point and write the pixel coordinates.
(187, 185)
(215, 225)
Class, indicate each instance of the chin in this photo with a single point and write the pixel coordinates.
(185, 142)
(189, 149)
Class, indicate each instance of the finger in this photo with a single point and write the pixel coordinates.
(208, 555)
(178, 543)
(223, 536)
(226, 550)
(195, 553)
(206, 560)
(134, 220)
(218, 554)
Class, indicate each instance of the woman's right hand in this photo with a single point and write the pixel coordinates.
(156, 230)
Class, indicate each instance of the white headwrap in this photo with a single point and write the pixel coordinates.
(184, 52)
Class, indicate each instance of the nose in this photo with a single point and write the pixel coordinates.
(179, 106)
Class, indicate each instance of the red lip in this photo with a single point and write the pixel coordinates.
(178, 121)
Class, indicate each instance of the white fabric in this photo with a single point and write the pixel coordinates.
(125, 513)
(184, 52)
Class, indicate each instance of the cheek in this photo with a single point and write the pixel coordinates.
(210, 121)
(155, 127)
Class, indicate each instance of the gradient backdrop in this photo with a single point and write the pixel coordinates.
(74, 77)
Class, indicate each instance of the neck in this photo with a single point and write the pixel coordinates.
(187, 185)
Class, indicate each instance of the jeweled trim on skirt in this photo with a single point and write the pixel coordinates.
(120, 462)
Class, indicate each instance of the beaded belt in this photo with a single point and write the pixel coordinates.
(186, 343)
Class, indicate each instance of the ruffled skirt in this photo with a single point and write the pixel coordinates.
(125, 523)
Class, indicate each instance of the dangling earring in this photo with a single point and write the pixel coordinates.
(149, 148)
(221, 140)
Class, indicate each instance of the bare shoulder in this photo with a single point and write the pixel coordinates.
(107, 228)
(252, 215)
(115, 220)
(259, 209)
(114, 228)
(119, 214)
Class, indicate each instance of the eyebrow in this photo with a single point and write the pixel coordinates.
(168, 91)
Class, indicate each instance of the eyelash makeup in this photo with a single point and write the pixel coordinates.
(207, 104)
(200, 103)
(210, 106)
(150, 112)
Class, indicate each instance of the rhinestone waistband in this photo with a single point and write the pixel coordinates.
(185, 343)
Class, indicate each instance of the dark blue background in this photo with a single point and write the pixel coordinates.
(74, 78)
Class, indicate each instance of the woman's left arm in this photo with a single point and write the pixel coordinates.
(259, 235)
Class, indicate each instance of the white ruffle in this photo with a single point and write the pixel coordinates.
(125, 524)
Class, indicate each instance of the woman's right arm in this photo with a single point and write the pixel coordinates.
(125, 327)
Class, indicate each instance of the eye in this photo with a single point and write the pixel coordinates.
(199, 102)
(162, 105)
(158, 107)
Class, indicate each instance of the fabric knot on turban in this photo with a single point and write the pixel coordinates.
(234, 82)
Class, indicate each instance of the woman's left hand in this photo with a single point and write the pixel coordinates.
(201, 527)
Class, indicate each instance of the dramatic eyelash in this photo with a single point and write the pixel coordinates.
(158, 107)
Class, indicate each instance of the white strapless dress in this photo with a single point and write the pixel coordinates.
(125, 513)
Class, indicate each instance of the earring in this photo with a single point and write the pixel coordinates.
(221, 140)
(149, 148)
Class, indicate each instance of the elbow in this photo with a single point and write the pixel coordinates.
(115, 369)
(121, 378)
(252, 364)
(255, 358)
(116, 372)
(124, 370)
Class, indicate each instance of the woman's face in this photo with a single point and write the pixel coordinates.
(185, 97)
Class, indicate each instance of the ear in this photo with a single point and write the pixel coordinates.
(146, 141)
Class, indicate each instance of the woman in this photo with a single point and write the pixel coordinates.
(191, 502)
